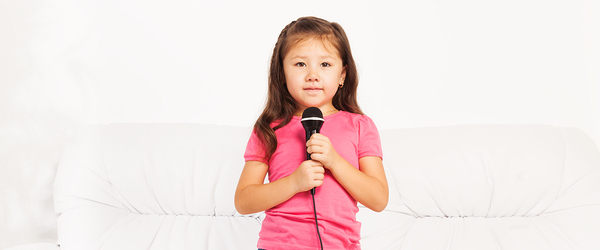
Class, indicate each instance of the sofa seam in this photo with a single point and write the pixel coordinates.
(119, 197)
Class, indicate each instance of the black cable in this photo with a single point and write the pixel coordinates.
(316, 221)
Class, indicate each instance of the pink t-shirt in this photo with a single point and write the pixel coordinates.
(291, 225)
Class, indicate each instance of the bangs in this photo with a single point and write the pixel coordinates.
(329, 42)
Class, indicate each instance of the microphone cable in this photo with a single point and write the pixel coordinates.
(316, 220)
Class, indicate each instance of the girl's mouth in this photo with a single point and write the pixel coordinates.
(312, 89)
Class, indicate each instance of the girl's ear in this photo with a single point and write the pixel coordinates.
(343, 75)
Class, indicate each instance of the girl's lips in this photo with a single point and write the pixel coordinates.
(312, 89)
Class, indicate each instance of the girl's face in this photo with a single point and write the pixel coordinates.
(313, 73)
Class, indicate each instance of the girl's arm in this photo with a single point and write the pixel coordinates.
(367, 185)
(252, 196)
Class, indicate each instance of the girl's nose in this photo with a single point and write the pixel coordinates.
(312, 76)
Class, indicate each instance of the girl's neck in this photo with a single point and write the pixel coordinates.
(325, 112)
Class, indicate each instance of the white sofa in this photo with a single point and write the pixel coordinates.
(171, 186)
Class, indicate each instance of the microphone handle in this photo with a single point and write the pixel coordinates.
(309, 133)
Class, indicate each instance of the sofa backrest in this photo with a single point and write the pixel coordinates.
(171, 186)
(153, 186)
(488, 187)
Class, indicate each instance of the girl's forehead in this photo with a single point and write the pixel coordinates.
(314, 41)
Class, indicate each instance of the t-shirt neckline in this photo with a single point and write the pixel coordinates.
(325, 117)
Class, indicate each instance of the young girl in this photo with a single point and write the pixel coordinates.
(312, 66)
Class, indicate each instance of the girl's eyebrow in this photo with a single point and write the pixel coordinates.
(304, 57)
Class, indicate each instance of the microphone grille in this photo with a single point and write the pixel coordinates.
(312, 112)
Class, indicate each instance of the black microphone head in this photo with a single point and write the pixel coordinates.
(312, 119)
(312, 112)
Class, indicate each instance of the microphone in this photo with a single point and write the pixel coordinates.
(312, 121)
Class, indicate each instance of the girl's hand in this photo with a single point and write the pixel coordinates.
(322, 151)
(308, 175)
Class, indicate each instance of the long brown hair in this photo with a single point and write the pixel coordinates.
(280, 104)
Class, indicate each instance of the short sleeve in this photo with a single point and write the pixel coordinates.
(255, 149)
(369, 143)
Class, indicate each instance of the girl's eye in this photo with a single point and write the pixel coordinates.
(325, 64)
(300, 64)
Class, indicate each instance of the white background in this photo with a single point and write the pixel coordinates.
(65, 64)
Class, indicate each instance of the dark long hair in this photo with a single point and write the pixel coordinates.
(280, 106)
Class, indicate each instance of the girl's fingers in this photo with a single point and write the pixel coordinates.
(314, 149)
(317, 139)
(319, 170)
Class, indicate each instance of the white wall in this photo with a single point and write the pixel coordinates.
(422, 64)
(64, 64)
